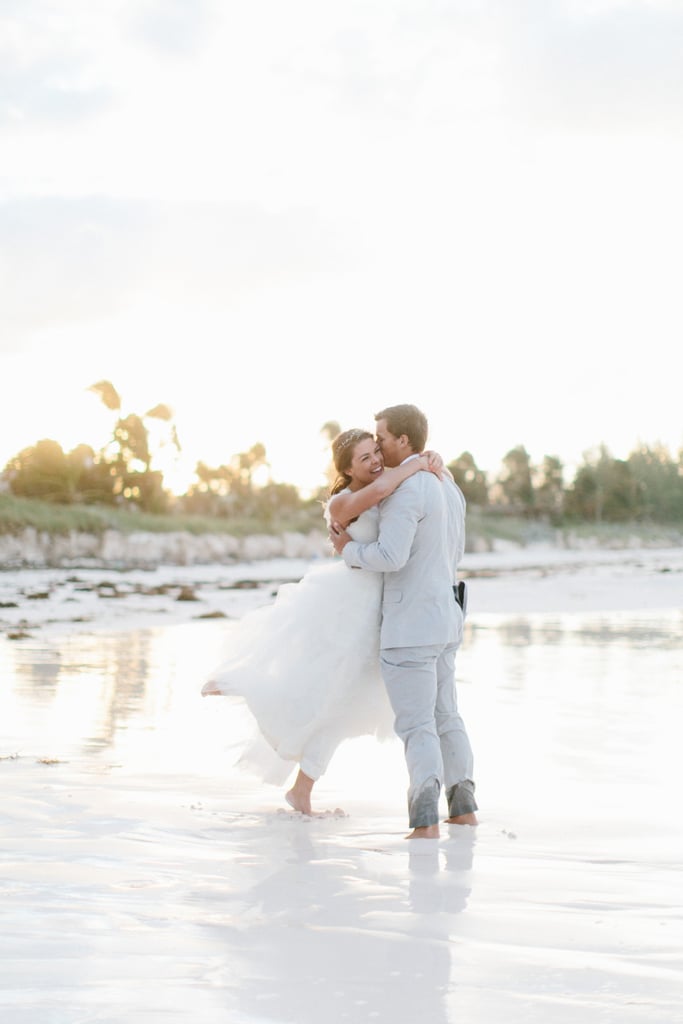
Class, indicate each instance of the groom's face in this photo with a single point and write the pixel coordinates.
(390, 446)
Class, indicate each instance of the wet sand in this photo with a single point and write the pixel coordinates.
(145, 878)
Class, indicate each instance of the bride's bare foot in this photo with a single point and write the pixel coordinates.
(425, 832)
(299, 796)
(297, 803)
(210, 690)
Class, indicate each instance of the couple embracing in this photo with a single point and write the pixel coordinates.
(318, 665)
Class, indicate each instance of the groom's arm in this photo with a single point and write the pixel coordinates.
(399, 516)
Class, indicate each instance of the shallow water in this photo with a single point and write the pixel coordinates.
(144, 878)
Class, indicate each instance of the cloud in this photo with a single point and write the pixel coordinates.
(48, 90)
(606, 64)
(573, 63)
(66, 261)
(68, 63)
(609, 66)
(175, 27)
(47, 67)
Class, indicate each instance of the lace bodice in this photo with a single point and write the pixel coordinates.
(365, 528)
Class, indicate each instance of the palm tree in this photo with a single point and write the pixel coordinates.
(131, 439)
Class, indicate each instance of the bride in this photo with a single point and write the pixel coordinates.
(308, 664)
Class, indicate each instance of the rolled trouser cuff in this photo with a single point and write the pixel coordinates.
(461, 799)
(423, 807)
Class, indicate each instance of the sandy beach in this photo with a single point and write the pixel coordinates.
(146, 878)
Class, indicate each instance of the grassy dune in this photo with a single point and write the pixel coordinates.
(483, 530)
(18, 513)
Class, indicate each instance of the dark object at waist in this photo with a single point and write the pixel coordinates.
(460, 595)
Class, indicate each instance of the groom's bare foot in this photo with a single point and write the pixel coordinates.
(463, 819)
(426, 832)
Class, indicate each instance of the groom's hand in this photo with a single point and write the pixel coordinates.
(339, 537)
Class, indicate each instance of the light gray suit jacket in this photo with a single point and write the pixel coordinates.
(421, 541)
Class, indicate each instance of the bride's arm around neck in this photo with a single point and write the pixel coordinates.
(348, 505)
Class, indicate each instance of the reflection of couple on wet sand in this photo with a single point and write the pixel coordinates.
(379, 944)
(317, 666)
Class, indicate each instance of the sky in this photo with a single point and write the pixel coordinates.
(270, 216)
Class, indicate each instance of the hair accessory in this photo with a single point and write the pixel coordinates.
(352, 436)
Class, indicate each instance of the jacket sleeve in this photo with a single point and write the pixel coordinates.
(399, 515)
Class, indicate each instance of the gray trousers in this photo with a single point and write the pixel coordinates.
(420, 682)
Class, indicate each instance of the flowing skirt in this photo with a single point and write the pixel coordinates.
(308, 668)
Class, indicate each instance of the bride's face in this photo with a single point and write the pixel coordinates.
(367, 462)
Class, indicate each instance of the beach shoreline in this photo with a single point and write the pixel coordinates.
(510, 580)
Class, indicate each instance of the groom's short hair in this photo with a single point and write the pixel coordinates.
(408, 420)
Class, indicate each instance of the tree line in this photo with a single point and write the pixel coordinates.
(646, 486)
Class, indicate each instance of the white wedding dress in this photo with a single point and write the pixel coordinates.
(308, 666)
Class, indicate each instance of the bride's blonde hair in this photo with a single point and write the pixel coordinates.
(343, 447)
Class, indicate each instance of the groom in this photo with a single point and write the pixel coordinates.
(421, 540)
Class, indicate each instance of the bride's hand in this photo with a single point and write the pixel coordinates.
(434, 464)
